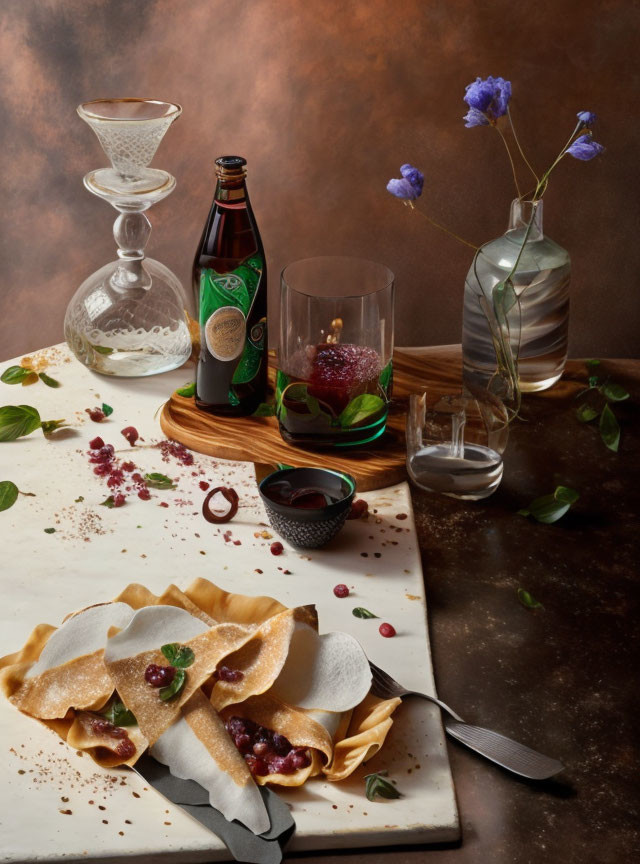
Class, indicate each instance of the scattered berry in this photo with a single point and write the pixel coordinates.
(128, 466)
(203, 485)
(144, 494)
(96, 443)
(96, 414)
(359, 508)
(341, 591)
(159, 676)
(276, 548)
(131, 434)
(118, 500)
(387, 630)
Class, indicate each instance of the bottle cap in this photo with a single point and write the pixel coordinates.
(230, 166)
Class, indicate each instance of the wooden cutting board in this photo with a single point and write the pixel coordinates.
(257, 439)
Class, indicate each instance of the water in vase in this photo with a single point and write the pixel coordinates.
(538, 323)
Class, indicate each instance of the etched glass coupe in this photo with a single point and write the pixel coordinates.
(129, 318)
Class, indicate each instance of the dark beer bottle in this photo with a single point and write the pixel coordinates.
(230, 285)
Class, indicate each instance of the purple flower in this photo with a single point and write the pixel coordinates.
(585, 148)
(475, 118)
(489, 97)
(587, 118)
(410, 186)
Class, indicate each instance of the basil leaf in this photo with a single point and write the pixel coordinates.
(180, 656)
(15, 374)
(187, 389)
(375, 784)
(550, 508)
(159, 481)
(49, 530)
(107, 410)
(359, 612)
(614, 392)
(361, 408)
(48, 380)
(264, 409)
(119, 715)
(175, 687)
(8, 494)
(609, 429)
(18, 420)
(586, 413)
(528, 600)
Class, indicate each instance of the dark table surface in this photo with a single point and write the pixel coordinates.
(563, 679)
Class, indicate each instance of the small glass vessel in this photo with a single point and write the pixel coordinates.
(129, 318)
(334, 377)
(455, 444)
(537, 323)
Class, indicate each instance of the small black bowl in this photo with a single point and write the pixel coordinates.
(308, 527)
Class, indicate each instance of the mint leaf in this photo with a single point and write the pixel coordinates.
(119, 715)
(550, 508)
(187, 389)
(586, 413)
(360, 409)
(614, 392)
(609, 429)
(175, 687)
(8, 494)
(180, 656)
(359, 612)
(528, 600)
(159, 481)
(108, 502)
(18, 420)
(107, 410)
(48, 380)
(15, 374)
(375, 784)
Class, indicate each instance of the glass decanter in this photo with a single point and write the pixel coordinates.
(537, 323)
(129, 318)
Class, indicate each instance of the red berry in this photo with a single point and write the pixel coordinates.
(96, 414)
(96, 443)
(359, 508)
(128, 466)
(131, 434)
(387, 630)
(118, 500)
(203, 485)
(137, 478)
(144, 494)
(277, 548)
(341, 591)
(126, 748)
(159, 676)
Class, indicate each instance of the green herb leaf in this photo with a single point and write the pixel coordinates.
(280, 466)
(102, 349)
(159, 481)
(614, 392)
(586, 413)
(359, 612)
(119, 715)
(49, 426)
(49, 530)
(8, 494)
(18, 420)
(593, 380)
(386, 376)
(591, 363)
(187, 389)
(264, 409)
(528, 600)
(609, 429)
(375, 784)
(48, 380)
(550, 508)
(107, 410)
(79, 499)
(175, 687)
(180, 656)
(108, 502)
(360, 409)
(15, 374)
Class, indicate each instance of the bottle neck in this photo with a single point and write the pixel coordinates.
(231, 190)
(520, 216)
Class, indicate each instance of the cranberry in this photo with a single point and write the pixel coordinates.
(277, 548)
(224, 673)
(256, 765)
(104, 454)
(299, 758)
(96, 443)
(280, 765)
(281, 744)
(260, 748)
(126, 748)
(131, 434)
(96, 414)
(119, 499)
(116, 478)
(144, 494)
(203, 485)
(341, 591)
(159, 676)
(359, 508)
(243, 743)
(387, 630)
(102, 469)
(128, 466)
(102, 725)
(236, 726)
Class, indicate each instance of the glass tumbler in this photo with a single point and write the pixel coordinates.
(334, 375)
(455, 443)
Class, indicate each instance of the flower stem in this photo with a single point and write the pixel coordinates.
(513, 167)
(441, 227)
(520, 150)
(542, 183)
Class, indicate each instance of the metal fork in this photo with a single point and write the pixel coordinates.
(498, 748)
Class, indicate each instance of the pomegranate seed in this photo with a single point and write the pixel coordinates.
(128, 466)
(118, 500)
(137, 478)
(341, 591)
(96, 443)
(131, 434)
(144, 494)
(96, 414)
(277, 548)
(102, 469)
(387, 630)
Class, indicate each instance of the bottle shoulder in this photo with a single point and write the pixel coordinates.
(543, 253)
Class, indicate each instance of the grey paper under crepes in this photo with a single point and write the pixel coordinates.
(243, 844)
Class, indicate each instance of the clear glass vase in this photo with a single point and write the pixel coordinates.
(528, 325)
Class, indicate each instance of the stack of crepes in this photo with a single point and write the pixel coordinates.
(311, 689)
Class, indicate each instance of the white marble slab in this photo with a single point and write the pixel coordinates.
(96, 551)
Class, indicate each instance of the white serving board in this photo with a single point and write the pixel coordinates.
(96, 551)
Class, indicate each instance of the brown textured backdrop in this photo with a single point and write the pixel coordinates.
(325, 98)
